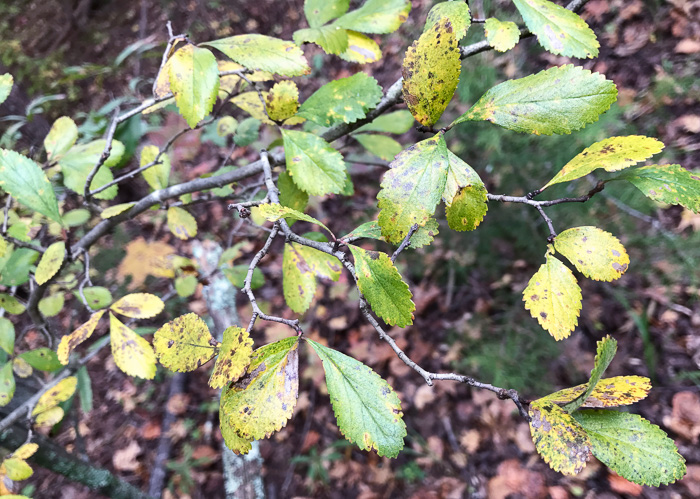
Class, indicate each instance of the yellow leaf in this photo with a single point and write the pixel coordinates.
(184, 344)
(228, 83)
(595, 253)
(113, 211)
(26, 451)
(132, 354)
(63, 390)
(158, 175)
(70, 341)
(234, 357)
(17, 469)
(138, 306)
(21, 367)
(250, 102)
(50, 262)
(233, 440)
(553, 297)
(162, 86)
(181, 223)
(283, 100)
(501, 35)
(609, 392)
(144, 258)
(361, 49)
(558, 438)
(49, 417)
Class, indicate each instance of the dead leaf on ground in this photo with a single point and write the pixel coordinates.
(178, 403)
(684, 419)
(623, 486)
(125, 459)
(511, 478)
(146, 258)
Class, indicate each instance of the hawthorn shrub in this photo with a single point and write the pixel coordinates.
(251, 75)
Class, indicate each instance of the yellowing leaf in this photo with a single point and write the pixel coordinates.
(332, 39)
(612, 154)
(132, 353)
(606, 349)
(233, 440)
(430, 72)
(381, 146)
(382, 286)
(138, 306)
(553, 297)
(301, 265)
(273, 212)
(501, 35)
(467, 209)
(376, 16)
(21, 367)
(17, 469)
(70, 341)
(49, 417)
(194, 80)
(62, 391)
(262, 401)
(26, 451)
(11, 304)
(146, 258)
(251, 103)
(459, 175)
(7, 335)
(282, 101)
(264, 52)
(234, 357)
(456, 12)
(595, 253)
(158, 175)
(609, 392)
(7, 384)
(113, 211)
(558, 438)
(361, 49)
(61, 137)
(184, 344)
(670, 184)
(181, 223)
(50, 262)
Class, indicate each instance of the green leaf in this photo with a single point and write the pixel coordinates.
(612, 154)
(607, 347)
(559, 30)
(319, 12)
(468, 208)
(52, 305)
(290, 195)
(382, 286)
(6, 86)
(247, 132)
(194, 80)
(595, 253)
(84, 389)
(501, 35)
(261, 402)
(361, 49)
(425, 235)
(77, 217)
(553, 297)
(397, 122)
(186, 285)
(50, 262)
(368, 230)
(264, 52)
(237, 274)
(636, 449)
(116, 209)
(158, 175)
(367, 409)
(313, 164)
(27, 183)
(7, 384)
(459, 175)
(80, 160)
(184, 344)
(609, 392)
(72, 340)
(132, 353)
(376, 16)
(456, 12)
(412, 187)
(282, 101)
(332, 39)
(42, 358)
(558, 438)
(181, 223)
(16, 270)
(97, 297)
(671, 184)
(300, 266)
(7, 335)
(342, 101)
(234, 357)
(381, 146)
(61, 137)
(558, 100)
(273, 212)
(431, 70)
(11, 304)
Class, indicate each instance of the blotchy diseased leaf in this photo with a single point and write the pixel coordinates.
(607, 347)
(61, 137)
(459, 175)
(376, 16)
(425, 235)
(381, 146)
(301, 265)
(114, 210)
(367, 409)
(412, 187)
(671, 184)
(5, 86)
(261, 402)
(431, 70)
(27, 183)
(138, 306)
(234, 357)
(158, 175)
(194, 80)
(468, 208)
(558, 100)
(636, 449)
(558, 438)
(345, 100)
(456, 12)
(273, 212)
(609, 392)
(313, 164)
(553, 297)
(184, 344)
(332, 39)
(501, 35)
(50, 262)
(70, 341)
(382, 286)
(282, 101)
(361, 49)
(319, 12)
(181, 223)
(146, 258)
(132, 353)
(612, 154)
(62, 391)
(255, 51)
(558, 30)
(595, 253)
(7, 384)
(21, 367)
(233, 440)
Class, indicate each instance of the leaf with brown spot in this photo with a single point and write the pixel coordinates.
(609, 392)
(234, 357)
(595, 253)
(184, 344)
(194, 80)
(132, 353)
(361, 49)
(62, 391)
(138, 306)
(70, 341)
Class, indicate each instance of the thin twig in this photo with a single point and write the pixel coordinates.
(404, 244)
(103, 157)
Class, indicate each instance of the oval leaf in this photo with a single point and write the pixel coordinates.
(234, 357)
(319, 12)
(181, 223)
(361, 49)
(609, 392)
(456, 12)
(671, 184)
(61, 137)
(194, 80)
(113, 211)
(5, 86)
(132, 354)
(332, 39)
(184, 344)
(50, 262)
(138, 306)
(7, 335)
(315, 167)
(62, 391)
(7, 384)
(42, 358)
(17, 469)
(468, 208)
(282, 101)
(595, 253)
(501, 35)
(376, 16)
(264, 52)
(158, 175)
(70, 341)
(273, 212)
(381, 146)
